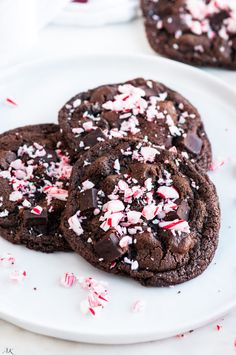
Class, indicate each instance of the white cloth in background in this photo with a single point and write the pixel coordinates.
(20, 22)
(98, 12)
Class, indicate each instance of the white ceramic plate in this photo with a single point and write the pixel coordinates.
(41, 89)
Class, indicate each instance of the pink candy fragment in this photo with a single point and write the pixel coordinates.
(168, 192)
(18, 276)
(68, 280)
(216, 164)
(177, 225)
(87, 184)
(138, 306)
(148, 153)
(37, 210)
(55, 192)
(133, 217)
(75, 225)
(97, 297)
(7, 260)
(150, 211)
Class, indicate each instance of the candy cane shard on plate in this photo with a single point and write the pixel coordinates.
(97, 298)
(11, 102)
(18, 276)
(68, 279)
(138, 306)
(7, 260)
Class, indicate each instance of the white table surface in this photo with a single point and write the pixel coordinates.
(125, 38)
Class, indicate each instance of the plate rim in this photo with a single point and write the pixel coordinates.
(109, 338)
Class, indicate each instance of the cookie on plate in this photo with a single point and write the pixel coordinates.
(34, 173)
(138, 108)
(198, 32)
(142, 212)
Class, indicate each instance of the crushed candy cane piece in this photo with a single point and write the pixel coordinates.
(148, 153)
(138, 306)
(177, 224)
(97, 297)
(18, 276)
(125, 241)
(68, 279)
(11, 102)
(4, 213)
(37, 210)
(168, 192)
(216, 164)
(7, 260)
(55, 192)
(134, 217)
(150, 211)
(86, 185)
(15, 196)
(75, 225)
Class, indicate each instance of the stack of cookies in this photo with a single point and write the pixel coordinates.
(121, 181)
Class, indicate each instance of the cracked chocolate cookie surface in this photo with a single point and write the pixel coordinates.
(34, 173)
(198, 32)
(142, 212)
(139, 108)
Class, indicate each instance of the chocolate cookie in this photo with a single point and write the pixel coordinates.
(201, 32)
(139, 108)
(142, 212)
(34, 172)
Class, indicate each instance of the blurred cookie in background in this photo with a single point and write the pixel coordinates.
(197, 32)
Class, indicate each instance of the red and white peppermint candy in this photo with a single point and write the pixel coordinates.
(117, 165)
(18, 276)
(75, 225)
(149, 154)
(134, 217)
(177, 225)
(88, 126)
(7, 260)
(68, 279)
(123, 185)
(125, 241)
(148, 184)
(150, 211)
(97, 297)
(78, 130)
(167, 192)
(37, 210)
(170, 206)
(15, 196)
(4, 213)
(114, 206)
(55, 192)
(87, 184)
(138, 306)
(17, 164)
(10, 102)
(216, 164)
(114, 219)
